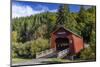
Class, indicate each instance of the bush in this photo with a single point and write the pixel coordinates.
(21, 50)
(14, 36)
(39, 45)
(14, 55)
(24, 50)
(15, 49)
(29, 49)
(88, 54)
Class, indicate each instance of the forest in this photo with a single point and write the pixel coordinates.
(31, 34)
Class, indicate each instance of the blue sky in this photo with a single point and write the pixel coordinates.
(20, 8)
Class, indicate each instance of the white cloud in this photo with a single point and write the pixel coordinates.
(19, 11)
(87, 7)
(55, 10)
(22, 11)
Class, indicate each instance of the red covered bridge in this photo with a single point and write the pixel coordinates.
(63, 38)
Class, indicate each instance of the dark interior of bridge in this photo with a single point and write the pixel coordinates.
(62, 43)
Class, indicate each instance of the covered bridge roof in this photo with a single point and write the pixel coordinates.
(66, 30)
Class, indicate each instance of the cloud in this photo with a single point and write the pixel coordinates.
(26, 10)
(22, 11)
(87, 7)
(55, 10)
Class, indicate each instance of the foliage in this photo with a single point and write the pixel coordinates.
(89, 53)
(63, 15)
(86, 21)
(14, 36)
(15, 49)
(39, 45)
(29, 49)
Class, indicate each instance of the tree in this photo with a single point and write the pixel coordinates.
(63, 15)
(24, 33)
(72, 24)
(92, 9)
(89, 29)
(85, 22)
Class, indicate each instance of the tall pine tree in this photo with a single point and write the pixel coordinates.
(63, 14)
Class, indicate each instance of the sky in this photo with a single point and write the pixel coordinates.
(22, 8)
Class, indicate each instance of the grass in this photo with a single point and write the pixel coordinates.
(18, 60)
(56, 60)
(49, 61)
(60, 60)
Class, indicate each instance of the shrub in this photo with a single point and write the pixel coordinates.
(14, 36)
(24, 50)
(39, 45)
(29, 49)
(21, 50)
(15, 49)
(88, 54)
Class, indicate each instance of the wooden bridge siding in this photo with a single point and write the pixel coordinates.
(78, 43)
(71, 48)
(53, 43)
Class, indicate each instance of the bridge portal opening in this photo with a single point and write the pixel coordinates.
(62, 43)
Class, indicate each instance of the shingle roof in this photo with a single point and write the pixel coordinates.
(66, 30)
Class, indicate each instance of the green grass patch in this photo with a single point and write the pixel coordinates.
(60, 60)
(56, 60)
(18, 60)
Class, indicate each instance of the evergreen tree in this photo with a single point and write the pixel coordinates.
(24, 33)
(63, 15)
(82, 20)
